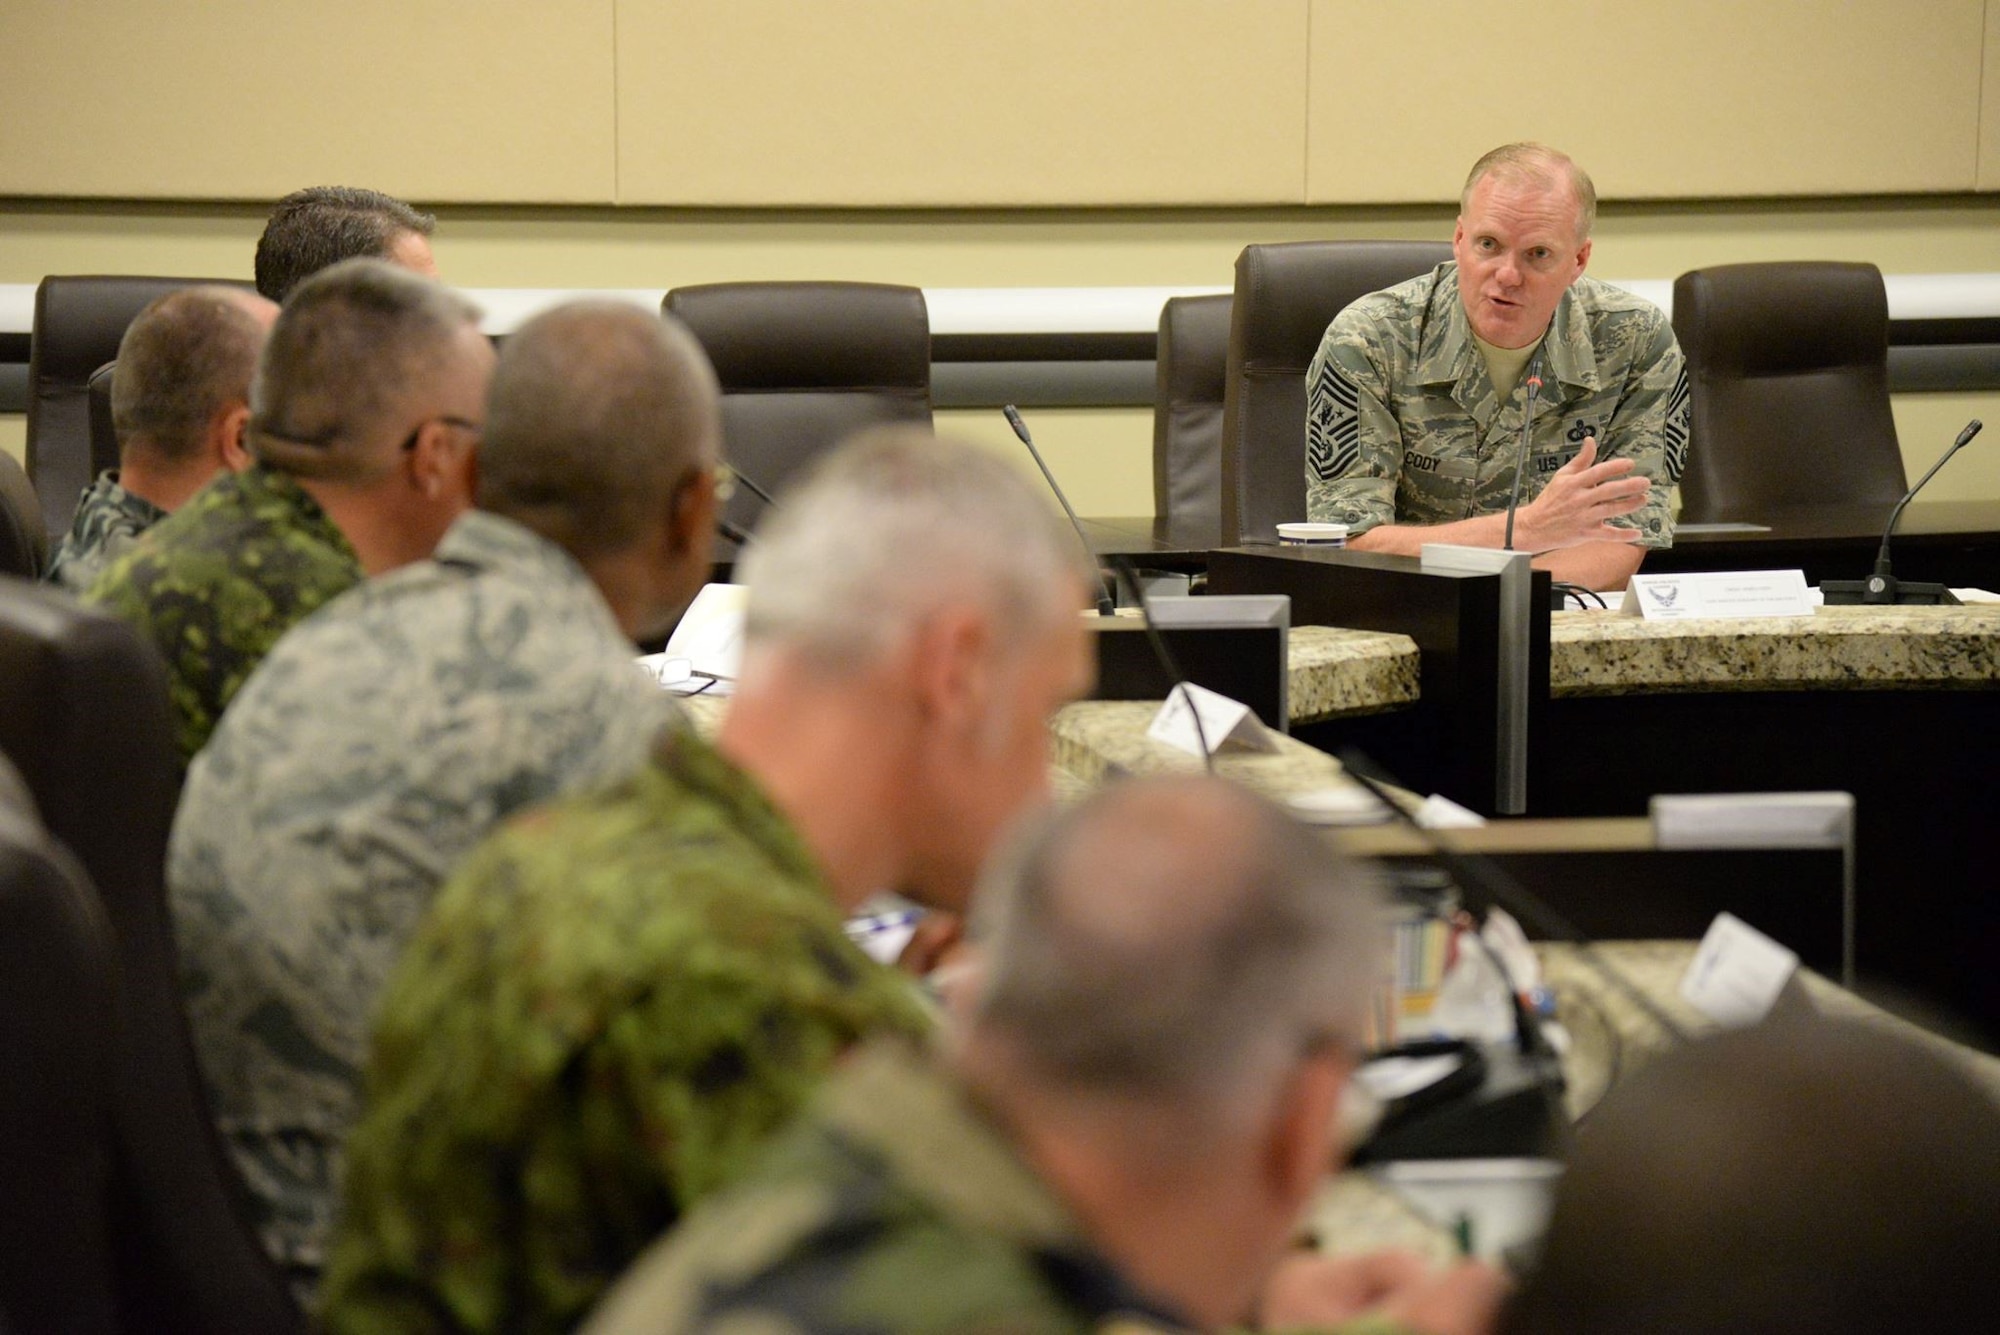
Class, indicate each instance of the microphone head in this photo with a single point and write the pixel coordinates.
(1972, 428)
(1014, 420)
(1534, 384)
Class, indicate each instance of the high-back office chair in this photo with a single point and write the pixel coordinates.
(803, 365)
(1788, 373)
(84, 717)
(78, 323)
(24, 545)
(57, 1030)
(1187, 408)
(1286, 296)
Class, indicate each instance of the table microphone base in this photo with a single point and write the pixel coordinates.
(1878, 591)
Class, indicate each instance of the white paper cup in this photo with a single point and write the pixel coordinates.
(1312, 535)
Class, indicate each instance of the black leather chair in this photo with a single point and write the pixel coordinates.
(1187, 408)
(57, 1033)
(84, 717)
(1286, 296)
(804, 365)
(78, 323)
(1788, 376)
(24, 545)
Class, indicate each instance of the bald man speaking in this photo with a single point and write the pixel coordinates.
(1417, 397)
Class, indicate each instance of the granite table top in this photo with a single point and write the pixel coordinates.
(1339, 673)
(1094, 740)
(1837, 648)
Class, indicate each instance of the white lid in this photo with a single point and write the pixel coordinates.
(1303, 530)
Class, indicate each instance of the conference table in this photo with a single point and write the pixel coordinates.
(1949, 542)
(1610, 1037)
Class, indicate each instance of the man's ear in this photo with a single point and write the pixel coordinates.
(691, 515)
(1582, 261)
(951, 657)
(1300, 1129)
(443, 462)
(229, 434)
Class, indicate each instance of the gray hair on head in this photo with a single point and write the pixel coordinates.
(1537, 164)
(186, 357)
(1180, 941)
(597, 413)
(350, 348)
(890, 527)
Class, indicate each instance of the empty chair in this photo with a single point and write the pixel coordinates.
(24, 544)
(78, 323)
(1187, 408)
(57, 1030)
(1788, 373)
(83, 716)
(1286, 296)
(803, 365)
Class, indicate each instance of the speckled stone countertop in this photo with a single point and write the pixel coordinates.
(1856, 648)
(1097, 739)
(1336, 672)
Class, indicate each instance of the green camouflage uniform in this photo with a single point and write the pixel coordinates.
(896, 1207)
(608, 1010)
(1402, 424)
(109, 520)
(218, 581)
(380, 740)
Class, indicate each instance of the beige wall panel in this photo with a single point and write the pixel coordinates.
(1699, 98)
(915, 102)
(1989, 103)
(434, 100)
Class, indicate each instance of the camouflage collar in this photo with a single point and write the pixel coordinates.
(1447, 354)
(266, 489)
(891, 1101)
(480, 540)
(107, 490)
(692, 763)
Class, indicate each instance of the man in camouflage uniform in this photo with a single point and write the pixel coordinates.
(1172, 987)
(390, 731)
(364, 415)
(617, 999)
(180, 405)
(1416, 398)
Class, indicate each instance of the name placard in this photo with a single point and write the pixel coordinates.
(1223, 722)
(1718, 594)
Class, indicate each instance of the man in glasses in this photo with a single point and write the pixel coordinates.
(365, 411)
(389, 732)
(1168, 994)
(618, 997)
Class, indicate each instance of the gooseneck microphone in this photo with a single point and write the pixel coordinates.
(1534, 383)
(1882, 588)
(750, 486)
(1105, 605)
(1168, 664)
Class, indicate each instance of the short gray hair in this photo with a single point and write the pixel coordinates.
(894, 524)
(186, 357)
(1181, 941)
(349, 349)
(1537, 164)
(597, 412)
